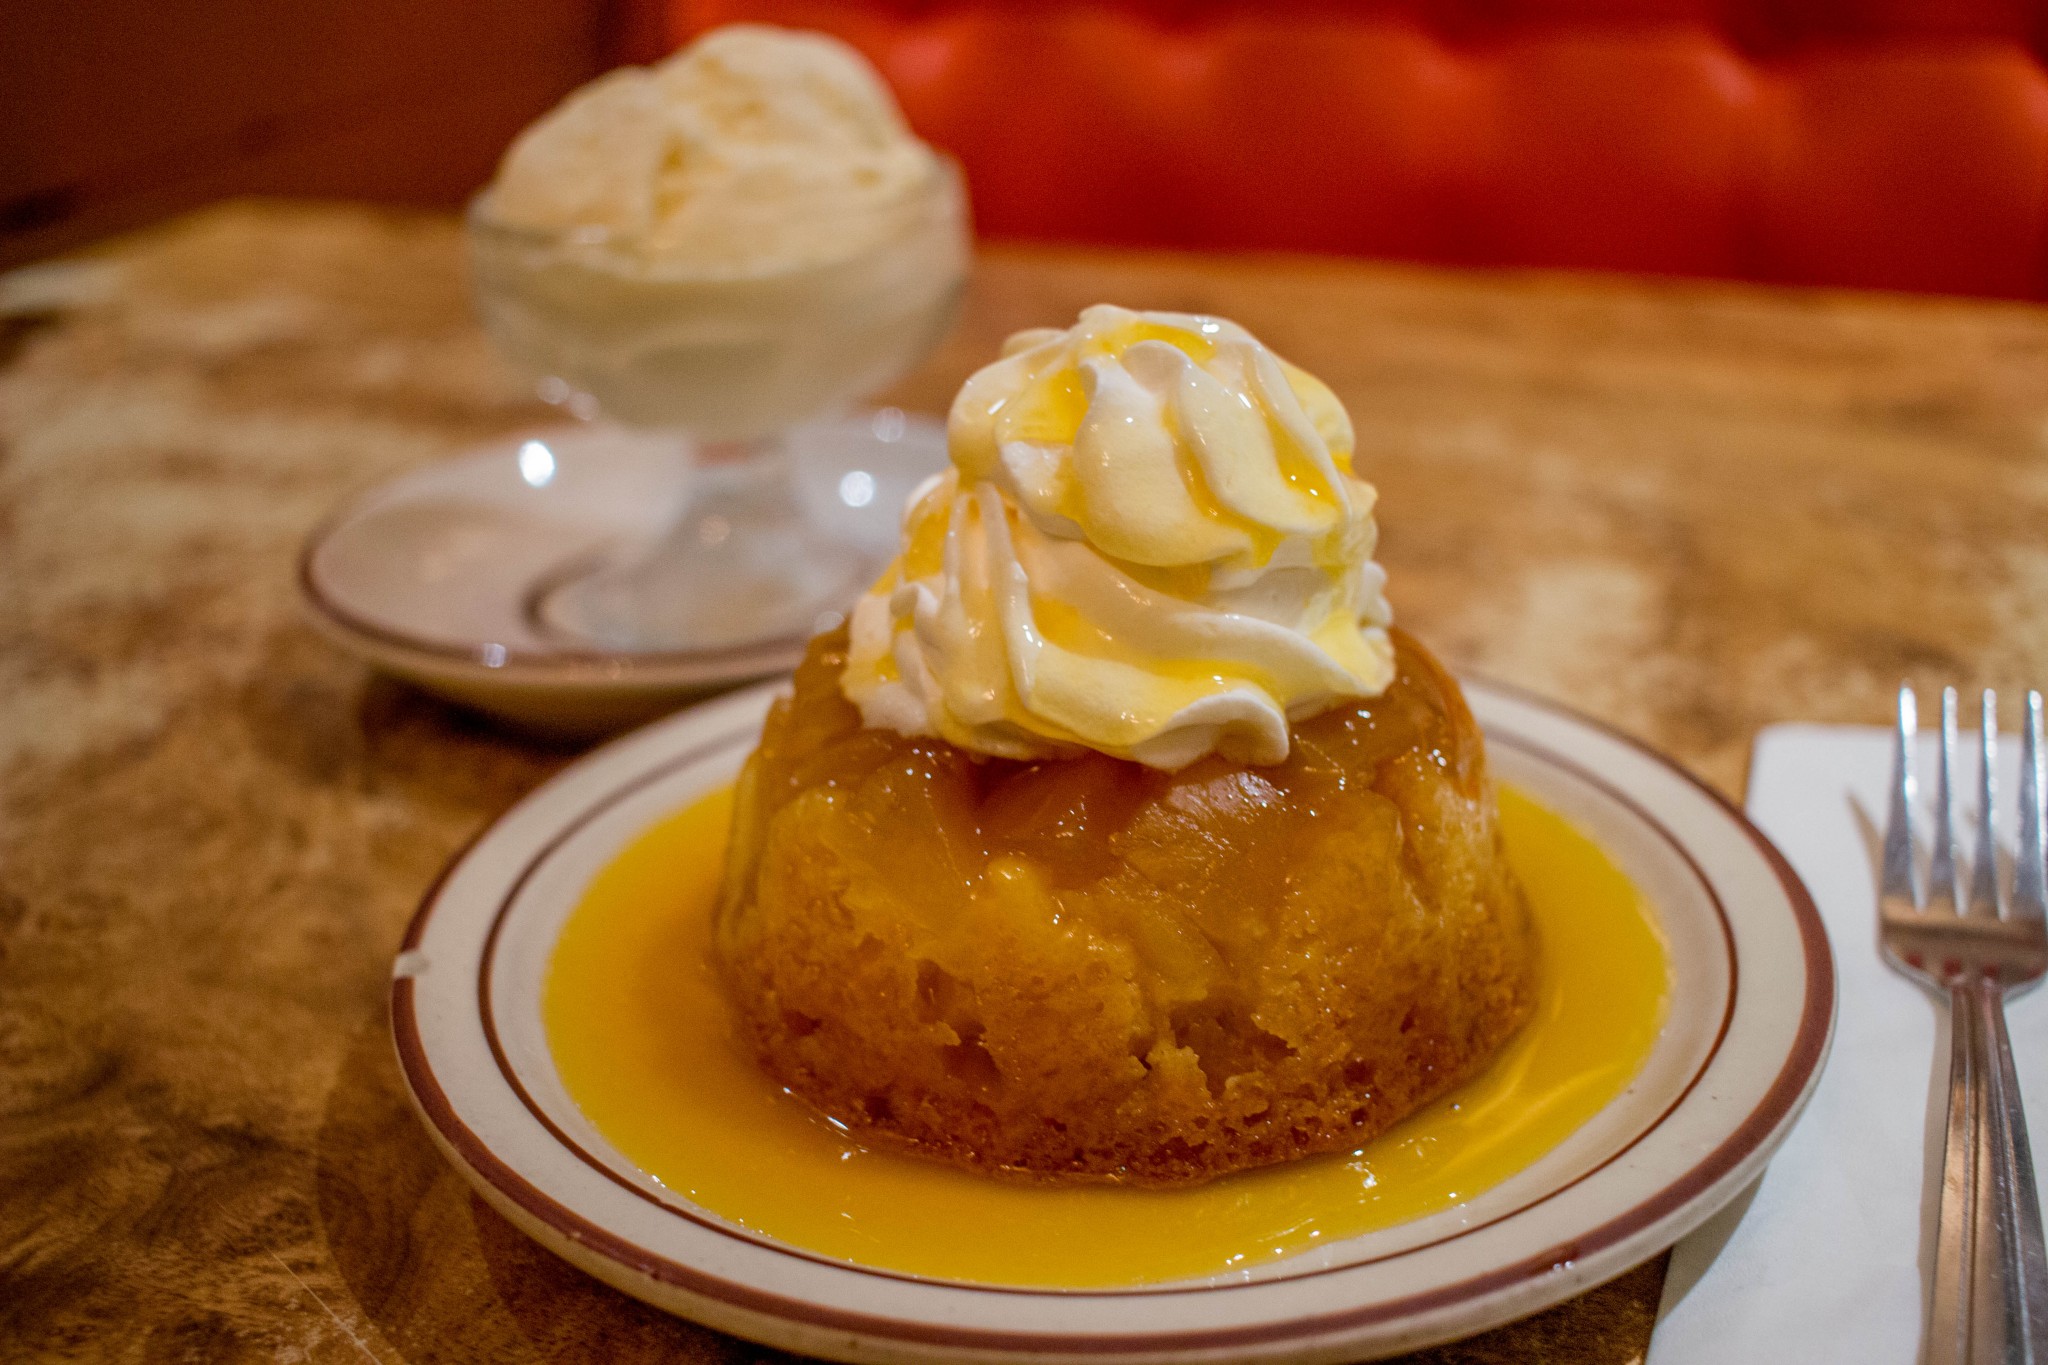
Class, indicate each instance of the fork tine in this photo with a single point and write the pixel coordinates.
(2030, 872)
(1897, 876)
(1984, 885)
(1944, 875)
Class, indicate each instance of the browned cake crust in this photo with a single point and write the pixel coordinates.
(1086, 968)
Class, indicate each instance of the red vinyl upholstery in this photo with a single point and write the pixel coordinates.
(1900, 144)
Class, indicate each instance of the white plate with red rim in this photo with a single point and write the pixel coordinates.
(1750, 1017)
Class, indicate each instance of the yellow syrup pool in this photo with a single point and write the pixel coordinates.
(645, 1044)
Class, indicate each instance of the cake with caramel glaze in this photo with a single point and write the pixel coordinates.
(1121, 836)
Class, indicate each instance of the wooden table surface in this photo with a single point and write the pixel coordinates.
(1689, 509)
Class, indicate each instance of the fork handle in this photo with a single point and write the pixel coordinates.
(1990, 1300)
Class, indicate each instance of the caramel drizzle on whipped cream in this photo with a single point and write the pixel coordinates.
(1150, 543)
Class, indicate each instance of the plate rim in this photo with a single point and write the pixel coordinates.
(585, 669)
(1623, 1238)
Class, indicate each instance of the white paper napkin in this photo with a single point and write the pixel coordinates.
(1823, 1259)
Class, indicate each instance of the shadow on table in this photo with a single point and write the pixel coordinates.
(1702, 1246)
(440, 1275)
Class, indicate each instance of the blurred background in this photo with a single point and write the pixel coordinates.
(1897, 144)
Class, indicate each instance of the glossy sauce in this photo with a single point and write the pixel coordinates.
(644, 1042)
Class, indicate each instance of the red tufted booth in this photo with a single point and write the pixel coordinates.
(1899, 144)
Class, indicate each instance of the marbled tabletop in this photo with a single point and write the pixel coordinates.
(1690, 509)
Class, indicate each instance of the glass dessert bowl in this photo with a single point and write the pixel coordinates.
(708, 254)
(1120, 837)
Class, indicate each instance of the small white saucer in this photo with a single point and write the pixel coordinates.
(433, 576)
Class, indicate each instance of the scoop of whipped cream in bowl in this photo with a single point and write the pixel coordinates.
(737, 239)
(1150, 543)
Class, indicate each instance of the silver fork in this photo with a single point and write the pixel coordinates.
(1989, 1303)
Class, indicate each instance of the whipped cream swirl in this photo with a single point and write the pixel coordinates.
(1150, 544)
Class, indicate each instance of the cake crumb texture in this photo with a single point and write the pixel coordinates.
(1088, 968)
